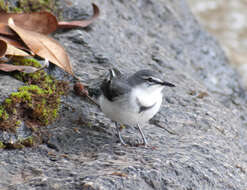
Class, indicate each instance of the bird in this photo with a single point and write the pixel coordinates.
(132, 100)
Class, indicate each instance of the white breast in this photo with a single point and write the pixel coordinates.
(148, 98)
(127, 112)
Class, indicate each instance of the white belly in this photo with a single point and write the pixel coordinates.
(128, 114)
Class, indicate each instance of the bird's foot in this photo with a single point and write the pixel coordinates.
(122, 141)
(146, 146)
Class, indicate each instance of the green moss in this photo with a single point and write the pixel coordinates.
(4, 6)
(41, 103)
(18, 123)
(8, 101)
(38, 101)
(28, 142)
(30, 6)
(3, 114)
(21, 96)
(28, 62)
(32, 88)
(15, 146)
(22, 143)
(1, 111)
(2, 146)
(14, 111)
(16, 10)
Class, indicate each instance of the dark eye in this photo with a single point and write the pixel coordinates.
(149, 79)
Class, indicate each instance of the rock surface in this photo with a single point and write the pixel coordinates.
(199, 135)
(8, 85)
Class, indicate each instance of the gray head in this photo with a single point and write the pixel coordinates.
(148, 79)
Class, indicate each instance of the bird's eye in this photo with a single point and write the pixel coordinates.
(149, 79)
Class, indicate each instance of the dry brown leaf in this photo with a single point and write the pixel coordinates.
(120, 174)
(43, 46)
(14, 42)
(3, 48)
(7, 49)
(81, 23)
(42, 22)
(11, 68)
(5, 30)
(11, 50)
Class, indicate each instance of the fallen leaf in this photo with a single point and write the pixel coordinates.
(43, 46)
(5, 30)
(11, 68)
(201, 95)
(42, 22)
(3, 48)
(11, 50)
(14, 42)
(120, 174)
(81, 23)
(8, 49)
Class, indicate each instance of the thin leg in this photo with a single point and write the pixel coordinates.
(119, 135)
(143, 137)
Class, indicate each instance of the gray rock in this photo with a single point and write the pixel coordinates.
(7, 86)
(198, 137)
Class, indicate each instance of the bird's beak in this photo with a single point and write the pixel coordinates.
(167, 84)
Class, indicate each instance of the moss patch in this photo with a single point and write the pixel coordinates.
(37, 103)
(30, 6)
(2, 145)
(22, 143)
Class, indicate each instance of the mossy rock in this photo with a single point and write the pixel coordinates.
(37, 103)
(27, 6)
(21, 143)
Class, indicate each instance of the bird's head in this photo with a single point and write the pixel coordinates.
(148, 80)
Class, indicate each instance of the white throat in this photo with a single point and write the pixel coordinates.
(147, 96)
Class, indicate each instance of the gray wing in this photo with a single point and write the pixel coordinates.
(112, 89)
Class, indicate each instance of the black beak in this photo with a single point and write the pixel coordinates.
(167, 84)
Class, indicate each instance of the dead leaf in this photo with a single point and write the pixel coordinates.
(7, 49)
(42, 22)
(43, 46)
(14, 42)
(81, 23)
(201, 95)
(11, 50)
(11, 68)
(3, 48)
(120, 174)
(5, 30)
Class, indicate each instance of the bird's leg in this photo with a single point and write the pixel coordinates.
(119, 135)
(143, 137)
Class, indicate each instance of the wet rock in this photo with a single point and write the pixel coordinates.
(198, 139)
